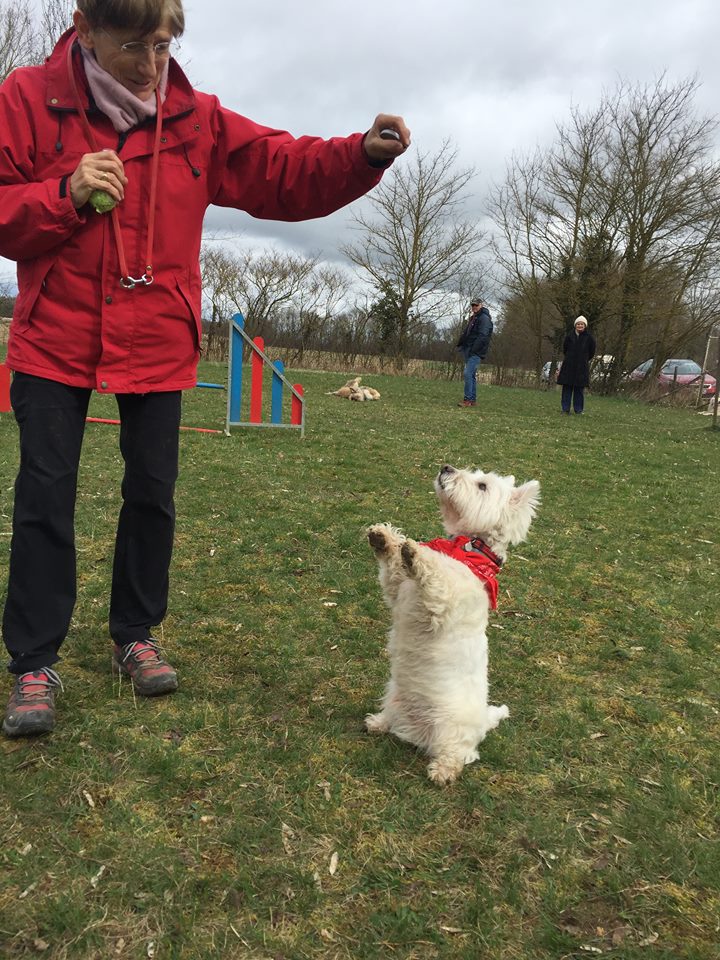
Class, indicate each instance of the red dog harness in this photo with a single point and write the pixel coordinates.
(476, 555)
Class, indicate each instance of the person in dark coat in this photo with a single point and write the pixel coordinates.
(473, 344)
(574, 375)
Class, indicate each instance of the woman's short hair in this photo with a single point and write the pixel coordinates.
(145, 16)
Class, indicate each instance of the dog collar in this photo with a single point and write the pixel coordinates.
(476, 555)
(477, 544)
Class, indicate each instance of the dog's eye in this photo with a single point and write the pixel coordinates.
(482, 486)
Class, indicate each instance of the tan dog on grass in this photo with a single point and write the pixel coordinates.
(440, 594)
(365, 393)
(353, 391)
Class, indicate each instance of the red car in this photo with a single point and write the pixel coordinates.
(684, 373)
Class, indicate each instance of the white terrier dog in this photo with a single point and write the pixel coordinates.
(440, 593)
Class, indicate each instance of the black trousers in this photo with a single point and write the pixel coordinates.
(42, 581)
(574, 394)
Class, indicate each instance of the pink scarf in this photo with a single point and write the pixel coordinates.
(124, 109)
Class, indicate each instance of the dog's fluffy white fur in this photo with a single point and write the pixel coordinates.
(437, 695)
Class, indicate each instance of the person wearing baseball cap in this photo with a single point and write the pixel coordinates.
(574, 375)
(473, 344)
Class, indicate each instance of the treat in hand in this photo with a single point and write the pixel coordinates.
(101, 201)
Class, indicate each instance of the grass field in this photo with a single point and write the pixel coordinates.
(249, 816)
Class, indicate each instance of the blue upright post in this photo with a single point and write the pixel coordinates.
(236, 371)
(277, 392)
(260, 360)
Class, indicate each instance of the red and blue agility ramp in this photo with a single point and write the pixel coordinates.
(238, 338)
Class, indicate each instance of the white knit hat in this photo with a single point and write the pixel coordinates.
(580, 319)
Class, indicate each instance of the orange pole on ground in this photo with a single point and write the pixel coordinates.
(117, 422)
(256, 379)
(5, 406)
(296, 406)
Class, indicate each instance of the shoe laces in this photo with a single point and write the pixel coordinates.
(145, 651)
(34, 684)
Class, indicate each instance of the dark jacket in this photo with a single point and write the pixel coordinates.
(475, 339)
(579, 349)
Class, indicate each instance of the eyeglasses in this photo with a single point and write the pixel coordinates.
(139, 50)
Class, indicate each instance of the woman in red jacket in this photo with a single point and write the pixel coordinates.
(111, 302)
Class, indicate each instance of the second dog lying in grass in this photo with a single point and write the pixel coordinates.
(354, 391)
(440, 593)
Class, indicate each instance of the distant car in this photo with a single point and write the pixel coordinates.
(684, 373)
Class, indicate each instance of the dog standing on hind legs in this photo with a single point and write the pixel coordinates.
(440, 594)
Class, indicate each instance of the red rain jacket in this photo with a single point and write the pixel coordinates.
(73, 322)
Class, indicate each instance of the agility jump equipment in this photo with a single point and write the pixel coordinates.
(258, 362)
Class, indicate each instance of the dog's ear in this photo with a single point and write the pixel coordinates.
(526, 495)
(522, 506)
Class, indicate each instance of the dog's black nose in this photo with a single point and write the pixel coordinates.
(446, 468)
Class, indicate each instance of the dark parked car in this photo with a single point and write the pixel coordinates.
(684, 373)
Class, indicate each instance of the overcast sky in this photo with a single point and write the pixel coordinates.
(494, 78)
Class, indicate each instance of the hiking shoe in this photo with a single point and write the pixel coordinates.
(467, 403)
(143, 662)
(31, 707)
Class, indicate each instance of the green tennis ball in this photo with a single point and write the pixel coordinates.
(101, 201)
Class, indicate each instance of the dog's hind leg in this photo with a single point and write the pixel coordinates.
(382, 721)
(495, 715)
(386, 541)
(377, 722)
(446, 768)
(455, 750)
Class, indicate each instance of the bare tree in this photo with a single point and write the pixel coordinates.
(414, 240)
(618, 221)
(18, 38)
(524, 258)
(258, 285)
(351, 333)
(55, 18)
(268, 283)
(27, 38)
(7, 298)
(668, 214)
(319, 302)
(219, 270)
(286, 296)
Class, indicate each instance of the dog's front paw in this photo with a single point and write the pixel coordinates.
(383, 538)
(444, 770)
(409, 553)
(377, 539)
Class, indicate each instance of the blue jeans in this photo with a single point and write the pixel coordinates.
(576, 394)
(471, 364)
